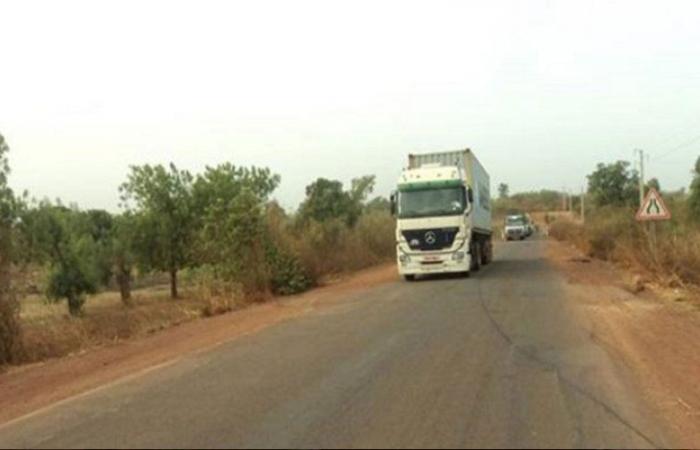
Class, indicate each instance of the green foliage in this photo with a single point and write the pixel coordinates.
(9, 307)
(654, 184)
(6, 195)
(326, 200)
(503, 191)
(614, 184)
(57, 235)
(233, 236)
(164, 203)
(287, 275)
(227, 181)
(378, 204)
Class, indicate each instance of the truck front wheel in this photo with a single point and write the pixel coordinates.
(409, 277)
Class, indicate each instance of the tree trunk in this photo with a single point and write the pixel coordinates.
(75, 305)
(124, 281)
(173, 283)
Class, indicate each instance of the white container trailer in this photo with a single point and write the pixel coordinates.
(443, 209)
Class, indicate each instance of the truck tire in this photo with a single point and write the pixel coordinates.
(476, 257)
(409, 277)
(488, 253)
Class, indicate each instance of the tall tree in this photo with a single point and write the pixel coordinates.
(163, 199)
(9, 307)
(503, 191)
(614, 184)
(326, 199)
(230, 204)
(654, 184)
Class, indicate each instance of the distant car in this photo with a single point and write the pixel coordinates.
(516, 228)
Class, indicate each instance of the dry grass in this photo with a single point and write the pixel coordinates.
(331, 247)
(323, 250)
(49, 331)
(671, 259)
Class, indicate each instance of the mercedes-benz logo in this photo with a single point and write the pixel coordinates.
(430, 238)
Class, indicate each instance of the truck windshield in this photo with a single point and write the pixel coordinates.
(515, 221)
(432, 202)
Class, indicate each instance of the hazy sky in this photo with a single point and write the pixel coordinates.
(541, 90)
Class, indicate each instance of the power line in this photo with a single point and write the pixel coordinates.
(678, 147)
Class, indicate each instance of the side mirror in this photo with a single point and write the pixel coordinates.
(470, 194)
(393, 203)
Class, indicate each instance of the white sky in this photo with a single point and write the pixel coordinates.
(541, 90)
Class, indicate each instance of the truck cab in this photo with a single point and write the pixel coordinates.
(435, 206)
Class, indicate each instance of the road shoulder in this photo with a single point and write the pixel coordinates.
(27, 389)
(655, 338)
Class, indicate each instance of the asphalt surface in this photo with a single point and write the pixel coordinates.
(506, 358)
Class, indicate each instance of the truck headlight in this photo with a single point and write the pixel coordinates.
(458, 256)
(404, 259)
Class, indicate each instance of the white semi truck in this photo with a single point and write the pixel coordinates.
(443, 210)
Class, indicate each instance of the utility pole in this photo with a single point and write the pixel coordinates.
(571, 202)
(641, 176)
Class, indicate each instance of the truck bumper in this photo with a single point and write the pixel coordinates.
(426, 265)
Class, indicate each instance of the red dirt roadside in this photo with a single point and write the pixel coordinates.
(30, 388)
(658, 339)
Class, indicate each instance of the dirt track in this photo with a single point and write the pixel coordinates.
(535, 351)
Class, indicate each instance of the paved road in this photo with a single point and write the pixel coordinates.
(504, 359)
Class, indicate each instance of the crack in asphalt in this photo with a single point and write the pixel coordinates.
(553, 367)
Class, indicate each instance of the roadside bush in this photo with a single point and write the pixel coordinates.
(216, 294)
(613, 234)
(332, 247)
(609, 230)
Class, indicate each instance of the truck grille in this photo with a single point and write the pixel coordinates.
(431, 238)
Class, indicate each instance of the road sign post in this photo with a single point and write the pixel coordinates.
(653, 209)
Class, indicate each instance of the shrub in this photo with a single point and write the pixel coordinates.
(613, 234)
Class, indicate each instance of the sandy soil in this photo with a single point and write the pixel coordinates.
(658, 339)
(30, 388)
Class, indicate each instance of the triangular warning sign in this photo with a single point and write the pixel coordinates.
(654, 207)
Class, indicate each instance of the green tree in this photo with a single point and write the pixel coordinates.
(9, 307)
(378, 204)
(54, 233)
(122, 252)
(233, 236)
(694, 198)
(503, 191)
(226, 181)
(654, 184)
(326, 199)
(163, 199)
(614, 184)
